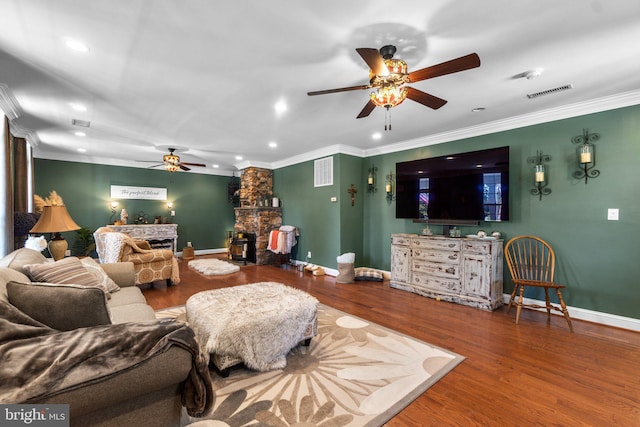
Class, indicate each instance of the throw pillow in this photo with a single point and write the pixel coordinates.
(61, 307)
(103, 278)
(368, 274)
(65, 271)
(346, 273)
(16, 259)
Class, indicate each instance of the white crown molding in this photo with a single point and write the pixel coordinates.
(591, 106)
(597, 105)
(8, 103)
(79, 158)
(319, 153)
(625, 99)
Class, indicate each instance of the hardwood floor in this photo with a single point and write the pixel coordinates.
(534, 373)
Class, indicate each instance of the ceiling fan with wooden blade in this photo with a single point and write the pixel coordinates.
(172, 163)
(389, 78)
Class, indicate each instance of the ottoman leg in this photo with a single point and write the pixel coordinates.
(224, 373)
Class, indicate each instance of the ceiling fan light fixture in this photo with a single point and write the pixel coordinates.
(389, 96)
(171, 159)
(171, 167)
(396, 66)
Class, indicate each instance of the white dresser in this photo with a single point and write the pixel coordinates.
(164, 236)
(462, 270)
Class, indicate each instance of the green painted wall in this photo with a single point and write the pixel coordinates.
(310, 209)
(200, 201)
(351, 216)
(596, 257)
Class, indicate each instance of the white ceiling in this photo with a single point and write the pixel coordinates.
(204, 76)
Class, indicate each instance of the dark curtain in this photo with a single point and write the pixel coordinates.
(21, 196)
(6, 187)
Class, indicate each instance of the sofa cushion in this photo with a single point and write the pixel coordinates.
(65, 271)
(368, 274)
(130, 295)
(18, 258)
(132, 313)
(99, 274)
(60, 306)
(7, 275)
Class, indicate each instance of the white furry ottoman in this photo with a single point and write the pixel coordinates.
(256, 324)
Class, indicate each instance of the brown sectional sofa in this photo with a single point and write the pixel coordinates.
(150, 393)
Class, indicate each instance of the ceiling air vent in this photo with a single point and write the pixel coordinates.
(549, 91)
(81, 123)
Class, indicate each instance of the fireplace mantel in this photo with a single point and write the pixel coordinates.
(258, 208)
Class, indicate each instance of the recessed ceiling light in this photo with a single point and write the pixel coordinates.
(216, 166)
(450, 158)
(273, 144)
(478, 110)
(478, 166)
(280, 107)
(80, 134)
(78, 107)
(238, 157)
(82, 150)
(376, 135)
(77, 45)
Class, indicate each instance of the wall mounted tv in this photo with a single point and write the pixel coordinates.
(458, 189)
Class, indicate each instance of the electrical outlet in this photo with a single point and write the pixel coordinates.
(334, 199)
(309, 254)
(67, 253)
(613, 214)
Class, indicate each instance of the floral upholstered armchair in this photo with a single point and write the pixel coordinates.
(149, 264)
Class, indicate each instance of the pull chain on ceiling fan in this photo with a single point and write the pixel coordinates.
(389, 76)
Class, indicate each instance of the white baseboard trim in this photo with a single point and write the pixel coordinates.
(328, 271)
(206, 251)
(588, 315)
(607, 319)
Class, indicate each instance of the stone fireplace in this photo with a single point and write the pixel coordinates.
(255, 215)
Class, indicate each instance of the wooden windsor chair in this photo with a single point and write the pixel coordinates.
(531, 262)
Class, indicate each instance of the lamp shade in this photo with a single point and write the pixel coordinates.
(54, 219)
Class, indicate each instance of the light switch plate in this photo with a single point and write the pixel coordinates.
(334, 199)
(173, 213)
(613, 214)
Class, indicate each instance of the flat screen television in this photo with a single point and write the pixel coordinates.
(456, 189)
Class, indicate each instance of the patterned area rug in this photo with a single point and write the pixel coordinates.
(354, 373)
(213, 266)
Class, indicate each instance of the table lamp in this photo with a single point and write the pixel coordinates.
(55, 219)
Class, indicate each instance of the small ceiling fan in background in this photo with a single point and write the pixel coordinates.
(172, 163)
(389, 78)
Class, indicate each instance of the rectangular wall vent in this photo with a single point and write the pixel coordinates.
(81, 123)
(323, 172)
(549, 91)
